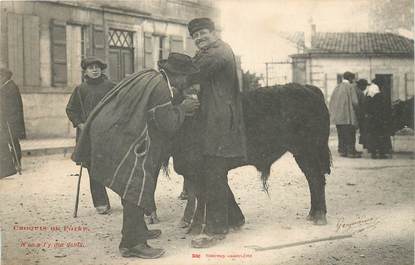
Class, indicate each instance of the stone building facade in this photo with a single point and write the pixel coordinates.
(43, 43)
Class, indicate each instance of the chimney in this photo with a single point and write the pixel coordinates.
(309, 34)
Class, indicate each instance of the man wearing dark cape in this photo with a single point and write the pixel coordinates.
(11, 118)
(125, 138)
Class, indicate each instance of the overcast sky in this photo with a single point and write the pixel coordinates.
(250, 26)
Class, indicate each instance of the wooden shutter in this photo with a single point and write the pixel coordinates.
(15, 47)
(148, 50)
(98, 39)
(31, 50)
(58, 50)
(176, 44)
(190, 47)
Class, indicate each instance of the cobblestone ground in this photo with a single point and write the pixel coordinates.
(371, 200)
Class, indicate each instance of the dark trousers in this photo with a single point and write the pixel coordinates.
(98, 192)
(221, 207)
(134, 228)
(347, 138)
(378, 144)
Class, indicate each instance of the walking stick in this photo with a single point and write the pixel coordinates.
(16, 158)
(75, 212)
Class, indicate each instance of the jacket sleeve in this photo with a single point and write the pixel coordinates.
(74, 109)
(355, 99)
(167, 117)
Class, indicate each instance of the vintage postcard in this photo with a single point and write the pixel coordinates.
(207, 132)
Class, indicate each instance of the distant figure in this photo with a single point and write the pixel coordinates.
(377, 120)
(361, 86)
(344, 105)
(11, 122)
(83, 100)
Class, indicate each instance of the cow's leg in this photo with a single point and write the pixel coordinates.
(196, 225)
(189, 210)
(316, 183)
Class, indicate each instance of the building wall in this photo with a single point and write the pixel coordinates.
(322, 72)
(28, 38)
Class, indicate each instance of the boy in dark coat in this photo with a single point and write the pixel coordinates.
(83, 100)
(11, 117)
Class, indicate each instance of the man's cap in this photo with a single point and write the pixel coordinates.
(200, 23)
(178, 63)
(362, 82)
(93, 60)
(348, 75)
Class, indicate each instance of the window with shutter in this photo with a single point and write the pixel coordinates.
(98, 39)
(121, 53)
(176, 44)
(58, 52)
(148, 50)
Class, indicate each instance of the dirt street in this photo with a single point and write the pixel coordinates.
(371, 200)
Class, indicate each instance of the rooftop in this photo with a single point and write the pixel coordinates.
(354, 43)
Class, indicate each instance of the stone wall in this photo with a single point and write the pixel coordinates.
(322, 72)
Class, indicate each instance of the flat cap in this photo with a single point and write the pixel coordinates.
(200, 23)
(178, 63)
(92, 60)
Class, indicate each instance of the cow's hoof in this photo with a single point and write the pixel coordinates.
(317, 218)
(320, 220)
(310, 217)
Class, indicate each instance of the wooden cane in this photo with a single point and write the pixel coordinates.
(16, 158)
(75, 213)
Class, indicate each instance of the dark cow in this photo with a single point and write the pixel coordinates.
(285, 118)
(403, 114)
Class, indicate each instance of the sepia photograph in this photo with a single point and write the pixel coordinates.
(207, 132)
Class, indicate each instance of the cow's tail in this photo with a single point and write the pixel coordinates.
(264, 179)
(165, 167)
(325, 160)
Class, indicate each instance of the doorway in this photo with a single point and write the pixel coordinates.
(385, 84)
(121, 54)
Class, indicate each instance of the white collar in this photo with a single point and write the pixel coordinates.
(345, 81)
(168, 81)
